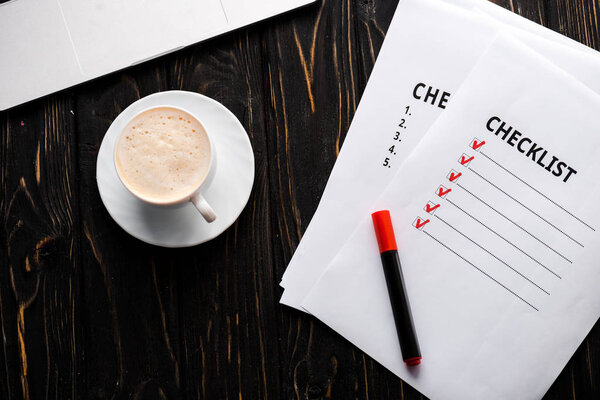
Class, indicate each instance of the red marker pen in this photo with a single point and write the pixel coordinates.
(411, 354)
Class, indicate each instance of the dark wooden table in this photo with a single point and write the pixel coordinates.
(87, 311)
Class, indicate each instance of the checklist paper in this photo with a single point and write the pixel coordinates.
(429, 50)
(496, 215)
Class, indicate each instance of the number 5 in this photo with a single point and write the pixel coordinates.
(386, 162)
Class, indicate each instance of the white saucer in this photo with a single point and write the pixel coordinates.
(227, 194)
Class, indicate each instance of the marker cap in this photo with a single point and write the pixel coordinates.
(384, 230)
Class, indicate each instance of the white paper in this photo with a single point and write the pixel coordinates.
(509, 18)
(503, 278)
(430, 42)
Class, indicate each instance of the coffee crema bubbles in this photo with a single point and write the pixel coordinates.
(163, 154)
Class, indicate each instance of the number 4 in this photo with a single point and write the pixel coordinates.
(391, 149)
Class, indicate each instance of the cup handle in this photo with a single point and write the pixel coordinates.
(205, 209)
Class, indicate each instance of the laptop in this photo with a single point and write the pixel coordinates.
(50, 45)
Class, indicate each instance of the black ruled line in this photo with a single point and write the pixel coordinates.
(480, 270)
(491, 254)
(505, 239)
(524, 206)
(515, 224)
(537, 191)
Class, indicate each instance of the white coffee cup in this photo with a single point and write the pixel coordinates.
(194, 194)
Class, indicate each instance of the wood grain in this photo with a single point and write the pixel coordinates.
(312, 75)
(88, 312)
(227, 300)
(40, 278)
(130, 308)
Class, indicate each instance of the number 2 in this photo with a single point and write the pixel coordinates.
(402, 122)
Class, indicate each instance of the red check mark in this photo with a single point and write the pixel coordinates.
(419, 224)
(442, 192)
(465, 161)
(454, 176)
(430, 208)
(477, 144)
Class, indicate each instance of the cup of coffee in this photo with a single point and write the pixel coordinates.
(165, 157)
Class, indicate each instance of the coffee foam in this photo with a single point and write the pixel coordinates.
(163, 154)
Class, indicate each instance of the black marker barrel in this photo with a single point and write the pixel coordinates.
(411, 353)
